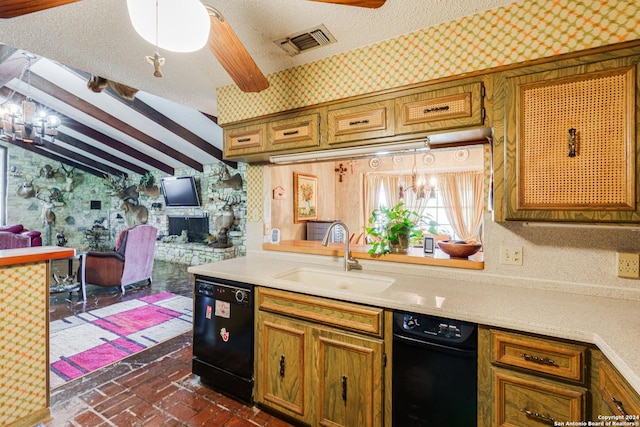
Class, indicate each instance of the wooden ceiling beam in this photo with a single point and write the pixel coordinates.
(77, 159)
(93, 111)
(13, 8)
(108, 141)
(81, 146)
(34, 149)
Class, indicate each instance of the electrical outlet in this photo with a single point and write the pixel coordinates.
(511, 255)
(628, 265)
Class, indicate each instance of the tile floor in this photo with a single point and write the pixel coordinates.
(152, 388)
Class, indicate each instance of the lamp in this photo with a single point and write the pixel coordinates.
(22, 122)
(174, 25)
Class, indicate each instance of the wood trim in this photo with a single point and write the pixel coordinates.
(33, 254)
(321, 310)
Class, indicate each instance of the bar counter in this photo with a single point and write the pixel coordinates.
(24, 333)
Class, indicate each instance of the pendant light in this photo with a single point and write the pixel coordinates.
(173, 25)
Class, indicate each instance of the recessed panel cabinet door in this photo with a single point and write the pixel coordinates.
(350, 375)
(571, 143)
(281, 378)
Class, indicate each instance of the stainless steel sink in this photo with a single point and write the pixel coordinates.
(327, 279)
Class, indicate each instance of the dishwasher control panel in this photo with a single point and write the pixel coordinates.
(429, 328)
(235, 293)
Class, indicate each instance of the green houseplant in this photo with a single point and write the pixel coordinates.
(393, 229)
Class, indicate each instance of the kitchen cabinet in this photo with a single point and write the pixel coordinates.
(244, 140)
(361, 122)
(291, 133)
(320, 361)
(612, 394)
(571, 142)
(530, 381)
(457, 106)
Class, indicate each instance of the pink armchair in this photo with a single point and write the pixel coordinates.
(130, 262)
(6, 242)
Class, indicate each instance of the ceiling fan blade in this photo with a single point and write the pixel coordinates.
(13, 8)
(371, 4)
(232, 55)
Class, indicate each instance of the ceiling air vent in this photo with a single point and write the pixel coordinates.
(305, 40)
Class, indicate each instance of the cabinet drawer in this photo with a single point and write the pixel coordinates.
(616, 393)
(368, 121)
(560, 359)
(320, 310)
(296, 132)
(457, 106)
(524, 401)
(245, 140)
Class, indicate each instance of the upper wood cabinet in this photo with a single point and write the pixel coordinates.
(361, 122)
(244, 140)
(571, 143)
(451, 107)
(297, 132)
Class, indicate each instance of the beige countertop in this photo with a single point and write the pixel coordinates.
(613, 325)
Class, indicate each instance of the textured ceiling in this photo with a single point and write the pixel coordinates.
(96, 36)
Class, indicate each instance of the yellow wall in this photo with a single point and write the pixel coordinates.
(522, 31)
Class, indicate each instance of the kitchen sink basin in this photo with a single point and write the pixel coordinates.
(326, 279)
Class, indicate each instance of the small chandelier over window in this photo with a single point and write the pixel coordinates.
(21, 122)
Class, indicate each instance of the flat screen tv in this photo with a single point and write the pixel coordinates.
(180, 191)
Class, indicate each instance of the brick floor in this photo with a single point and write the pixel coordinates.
(151, 392)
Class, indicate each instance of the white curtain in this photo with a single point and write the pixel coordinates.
(462, 196)
(373, 183)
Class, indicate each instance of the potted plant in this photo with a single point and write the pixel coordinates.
(393, 229)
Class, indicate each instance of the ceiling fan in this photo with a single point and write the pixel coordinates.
(222, 40)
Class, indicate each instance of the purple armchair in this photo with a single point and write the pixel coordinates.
(130, 262)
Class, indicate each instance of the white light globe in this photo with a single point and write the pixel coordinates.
(183, 25)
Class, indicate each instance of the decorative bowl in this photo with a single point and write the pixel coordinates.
(459, 248)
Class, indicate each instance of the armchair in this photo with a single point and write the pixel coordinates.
(130, 262)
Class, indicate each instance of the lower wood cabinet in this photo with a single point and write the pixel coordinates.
(314, 373)
(526, 400)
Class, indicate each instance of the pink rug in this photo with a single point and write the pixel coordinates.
(89, 341)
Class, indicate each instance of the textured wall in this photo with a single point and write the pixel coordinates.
(508, 35)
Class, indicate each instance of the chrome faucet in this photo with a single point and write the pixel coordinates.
(349, 262)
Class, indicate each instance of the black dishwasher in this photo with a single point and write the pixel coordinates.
(435, 376)
(223, 336)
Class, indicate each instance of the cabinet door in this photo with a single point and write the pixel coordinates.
(351, 377)
(527, 401)
(244, 140)
(281, 378)
(361, 122)
(452, 107)
(571, 143)
(616, 393)
(298, 132)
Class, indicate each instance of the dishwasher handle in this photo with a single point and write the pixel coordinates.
(456, 351)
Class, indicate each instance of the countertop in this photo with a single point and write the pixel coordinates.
(34, 254)
(414, 255)
(613, 325)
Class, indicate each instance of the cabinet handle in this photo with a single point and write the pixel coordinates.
(243, 140)
(291, 132)
(344, 388)
(544, 418)
(572, 142)
(619, 406)
(536, 359)
(359, 122)
(435, 109)
(282, 366)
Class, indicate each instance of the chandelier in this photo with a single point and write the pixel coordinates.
(21, 122)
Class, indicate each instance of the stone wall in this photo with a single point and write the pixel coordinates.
(86, 202)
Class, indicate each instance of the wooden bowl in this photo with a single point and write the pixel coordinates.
(458, 248)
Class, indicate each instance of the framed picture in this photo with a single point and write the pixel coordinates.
(305, 199)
